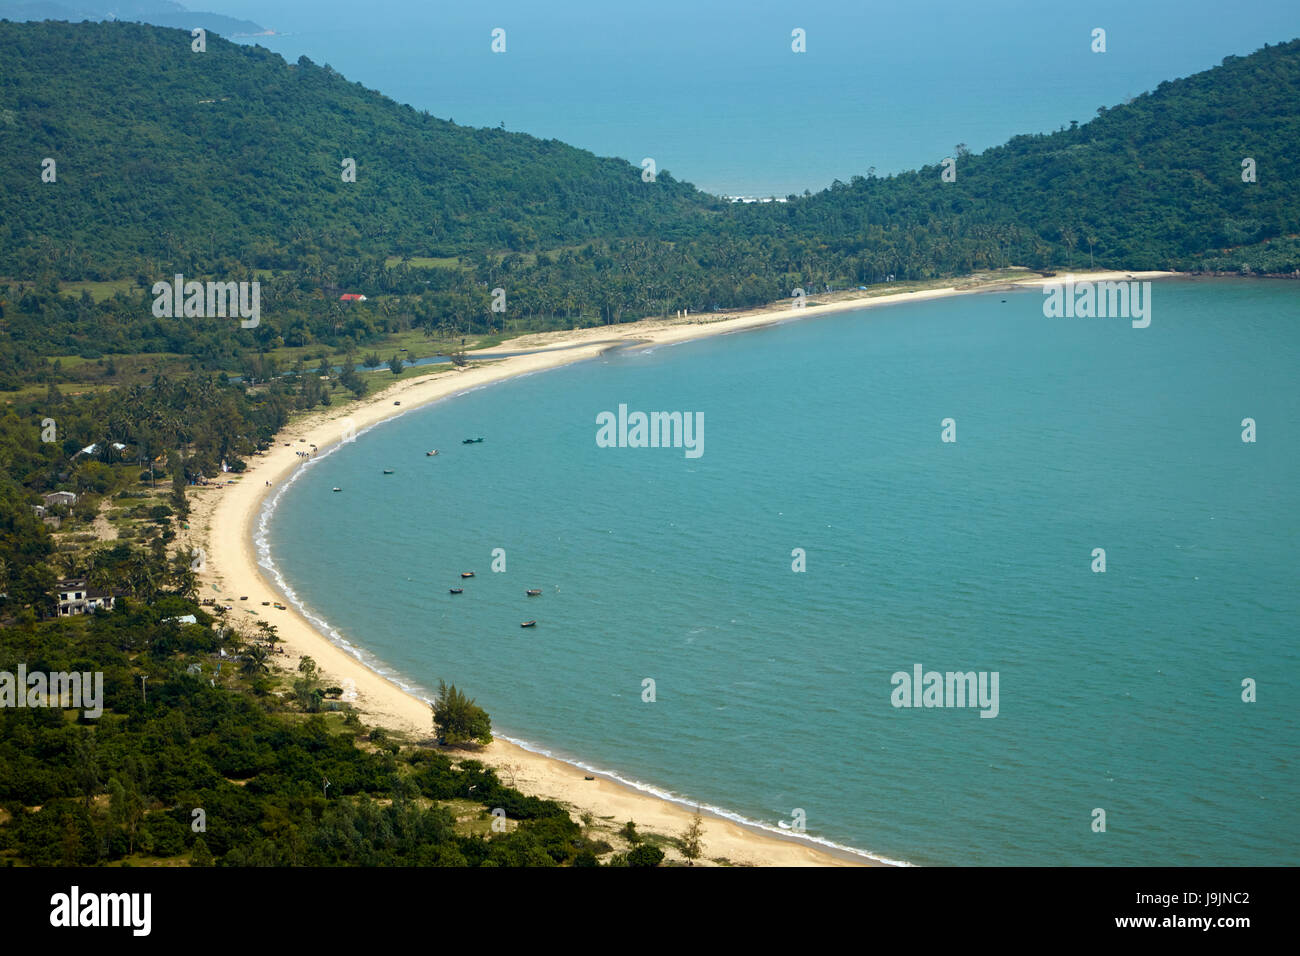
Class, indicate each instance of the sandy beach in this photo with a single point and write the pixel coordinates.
(224, 514)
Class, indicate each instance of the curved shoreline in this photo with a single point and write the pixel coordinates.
(225, 521)
(407, 686)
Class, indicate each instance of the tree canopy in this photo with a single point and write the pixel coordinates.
(458, 720)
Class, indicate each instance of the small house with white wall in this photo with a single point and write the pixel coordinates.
(76, 597)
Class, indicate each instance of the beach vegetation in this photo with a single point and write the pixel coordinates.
(458, 720)
(645, 855)
(692, 842)
(121, 789)
(306, 688)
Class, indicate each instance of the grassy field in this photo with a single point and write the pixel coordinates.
(455, 262)
(99, 291)
(425, 262)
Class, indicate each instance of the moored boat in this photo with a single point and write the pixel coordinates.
(456, 590)
(528, 624)
(430, 454)
(467, 574)
(533, 592)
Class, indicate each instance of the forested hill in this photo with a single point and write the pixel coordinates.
(222, 162)
(165, 155)
(1155, 183)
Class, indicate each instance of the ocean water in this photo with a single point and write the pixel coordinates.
(1119, 690)
(714, 93)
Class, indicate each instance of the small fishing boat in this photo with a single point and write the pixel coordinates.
(471, 441)
(430, 454)
(388, 471)
(456, 590)
(528, 624)
(266, 604)
(338, 489)
(397, 403)
(533, 592)
(467, 574)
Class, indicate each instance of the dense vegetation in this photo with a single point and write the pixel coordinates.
(229, 160)
(149, 444)
(226, 164)
(277, 785)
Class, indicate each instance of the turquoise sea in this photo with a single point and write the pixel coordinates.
(1119, 690)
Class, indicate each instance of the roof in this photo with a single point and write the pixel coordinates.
(91, 449)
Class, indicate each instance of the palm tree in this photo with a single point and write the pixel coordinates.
(68, 564)
(1068, 237)
(255, 660)
(183, 578)
(143, 576)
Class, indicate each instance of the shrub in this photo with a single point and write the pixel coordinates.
(645, 855)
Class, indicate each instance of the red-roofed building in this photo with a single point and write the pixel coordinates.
(351, 297)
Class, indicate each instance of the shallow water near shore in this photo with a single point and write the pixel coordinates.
(1120, 691)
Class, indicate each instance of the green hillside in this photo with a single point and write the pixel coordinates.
(226, 165)
(231, 159)
(1153, 184)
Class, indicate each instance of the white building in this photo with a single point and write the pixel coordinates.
(75, 597)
